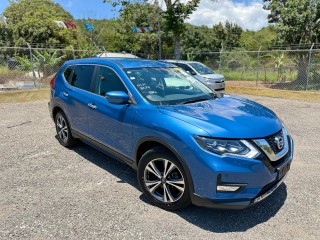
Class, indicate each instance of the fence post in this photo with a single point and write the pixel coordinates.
(32, 67)
(73, 53)
(258, 67)
(309, 67)
(220, 62)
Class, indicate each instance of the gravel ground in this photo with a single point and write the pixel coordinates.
(47, 191)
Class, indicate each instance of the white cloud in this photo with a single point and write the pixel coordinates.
(250, 16)
(69, 4)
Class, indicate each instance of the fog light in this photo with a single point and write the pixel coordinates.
(224, 188)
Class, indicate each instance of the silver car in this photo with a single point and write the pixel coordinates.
(203, 73)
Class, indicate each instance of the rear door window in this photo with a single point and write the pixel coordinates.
(82, 77)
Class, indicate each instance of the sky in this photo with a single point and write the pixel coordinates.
(249, 14)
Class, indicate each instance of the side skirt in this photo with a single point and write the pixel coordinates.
(105, 149)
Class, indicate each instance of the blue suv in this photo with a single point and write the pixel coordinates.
(188, 144)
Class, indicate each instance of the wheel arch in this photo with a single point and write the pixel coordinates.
(58, 108)
(55, 110)
(149, 142)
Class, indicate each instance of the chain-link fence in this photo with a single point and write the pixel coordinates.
(25, 67)
(278, 69)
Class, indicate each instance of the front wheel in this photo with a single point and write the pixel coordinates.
(163, 180)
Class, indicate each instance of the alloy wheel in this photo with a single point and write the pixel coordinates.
(164, 180)
(62, 128)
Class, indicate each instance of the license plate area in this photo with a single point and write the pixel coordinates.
(282, 171)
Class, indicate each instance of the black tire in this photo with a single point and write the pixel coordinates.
(170, 185)
(64, 134)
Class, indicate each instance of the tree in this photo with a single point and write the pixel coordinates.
(139, 15)
(296, 22)
(198, 39)
(5, 33)
(227, 36)
(263, 38)
(175, 15)
(32, 21)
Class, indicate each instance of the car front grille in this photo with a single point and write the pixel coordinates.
(220, 89)
(219, 81)
(271, 141)
(272, 165)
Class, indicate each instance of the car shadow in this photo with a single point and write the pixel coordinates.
(213, 220)
(116, 167)
(221, 221)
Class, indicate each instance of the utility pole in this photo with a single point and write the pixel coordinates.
(258, 67)
(309, 67)
(159, 29)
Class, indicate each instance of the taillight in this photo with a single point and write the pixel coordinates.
(52, 82)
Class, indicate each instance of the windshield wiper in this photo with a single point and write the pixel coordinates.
(196, 100)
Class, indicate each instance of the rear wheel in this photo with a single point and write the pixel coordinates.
(63, 130)
(163, 180)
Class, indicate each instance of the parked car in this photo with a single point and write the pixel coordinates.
(203, 73)
(116, 55)
(187, 144)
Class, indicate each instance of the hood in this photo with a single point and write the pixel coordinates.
(227, 117)
(213, 76)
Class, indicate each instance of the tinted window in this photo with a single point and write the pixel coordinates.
(186, 68)
(201, 68)
(107, 81)
(67, 73)
(82, 77)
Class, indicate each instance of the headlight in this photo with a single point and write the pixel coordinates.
(284, 127)
(228, 147)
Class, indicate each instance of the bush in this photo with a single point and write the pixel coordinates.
(11, 75)
(251, 75)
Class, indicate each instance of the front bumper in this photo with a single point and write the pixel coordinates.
(217, 87)
(236, 203)
(259, 178)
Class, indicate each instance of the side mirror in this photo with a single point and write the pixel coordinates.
(117, 97)
(191, 73)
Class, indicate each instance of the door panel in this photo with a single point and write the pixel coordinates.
(76, 96)
(110, 124)
(78, 109)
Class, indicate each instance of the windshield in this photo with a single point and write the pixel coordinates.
(168, 86)
(201, 69)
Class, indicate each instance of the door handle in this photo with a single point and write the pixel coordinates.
(92, 105)
(65, 94)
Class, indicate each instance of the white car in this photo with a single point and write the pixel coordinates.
(116, 55)
(203, 73)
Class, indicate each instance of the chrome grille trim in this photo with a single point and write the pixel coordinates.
(267, 149)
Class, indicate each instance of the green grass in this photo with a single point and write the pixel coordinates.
(252, 76)
(297, 95)
(25, 95)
